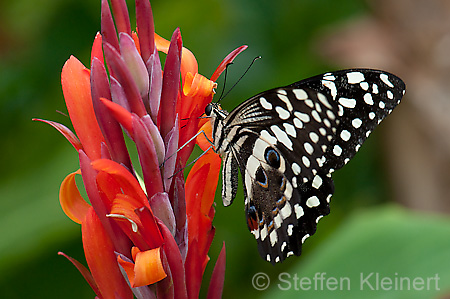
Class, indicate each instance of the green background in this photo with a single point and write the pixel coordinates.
(366, 232)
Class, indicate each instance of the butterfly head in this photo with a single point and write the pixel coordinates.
(215, 111)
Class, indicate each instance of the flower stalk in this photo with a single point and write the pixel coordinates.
(146, 237)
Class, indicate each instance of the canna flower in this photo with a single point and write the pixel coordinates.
(146, 231)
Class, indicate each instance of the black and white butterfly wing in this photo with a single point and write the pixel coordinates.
(287, 141)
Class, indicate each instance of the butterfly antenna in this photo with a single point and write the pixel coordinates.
(248, 68)
(224, 81)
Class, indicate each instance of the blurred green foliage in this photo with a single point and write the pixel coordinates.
(35, 41)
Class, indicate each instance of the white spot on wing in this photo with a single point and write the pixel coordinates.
(356, 123)
(337, 150)
(302, 116)
(375, 88)
(296, 168)
(316, 116)
(348, 103)
(290, 129)
(313, 201)
(386, 81)
(306, 161)
(255, 232)
(332, 87)
(355, 77)
(323, 99)
(265, 104)
(314, 137)
(290, 229)
(286, 211)
(267, 137)
(317, 182)
(368, 99)
(282, 113)
(390, 95)
(285, 99)
(300, 94)
(282, 136)
(345, 135)
(298, 123)
(298, 212)
(305, 237)
(264, 232)
(308, 148)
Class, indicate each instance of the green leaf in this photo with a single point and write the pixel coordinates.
(387, 252)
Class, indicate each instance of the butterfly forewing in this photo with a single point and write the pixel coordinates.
(287, 141)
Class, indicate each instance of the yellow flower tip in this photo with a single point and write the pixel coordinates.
(196, 85)
(148, 268)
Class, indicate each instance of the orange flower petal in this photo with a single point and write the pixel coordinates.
(72, 203)
(128, 267)
(97, 50)
(188, 61)
(201, 139)
(201, 184)
(129, 184)
(125, 205)
(196, 85)
(101, 259)
(136, 41)
(148, 267)
(76, 87)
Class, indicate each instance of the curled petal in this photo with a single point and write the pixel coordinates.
(227, 60)
(72, 202)
(147, 268)
(66, 132)
(125, 205)
(196, 85)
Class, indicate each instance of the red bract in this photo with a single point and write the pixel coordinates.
(144, 237)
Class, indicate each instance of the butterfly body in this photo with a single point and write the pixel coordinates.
(287, 141)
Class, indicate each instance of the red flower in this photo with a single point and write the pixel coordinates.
(156, 230)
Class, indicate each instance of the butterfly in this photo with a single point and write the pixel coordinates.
(287, 141)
